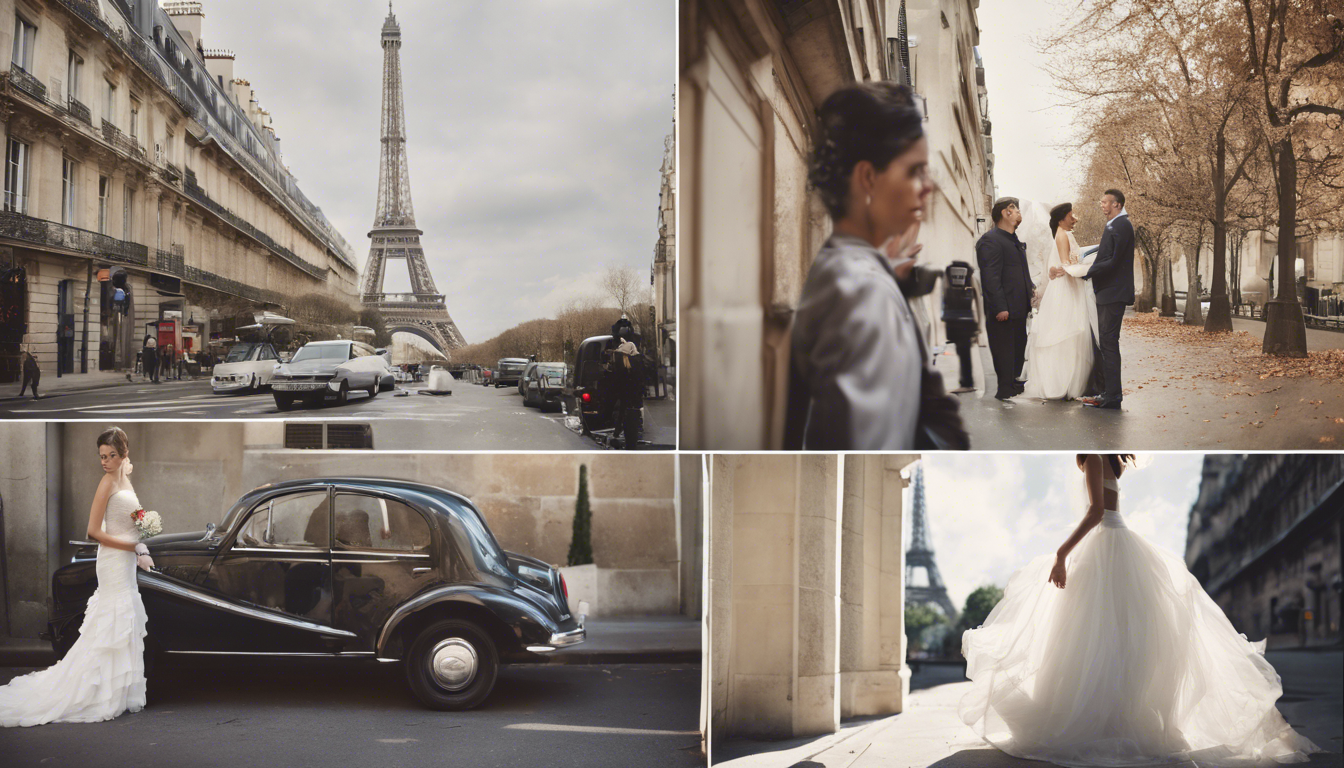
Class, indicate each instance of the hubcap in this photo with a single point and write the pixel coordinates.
(453, 663)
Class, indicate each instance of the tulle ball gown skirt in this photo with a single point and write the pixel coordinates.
(103, 674)
(1132, 663)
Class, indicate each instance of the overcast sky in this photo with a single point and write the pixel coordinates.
(1022, 104)
(990, 514)
(535, 133)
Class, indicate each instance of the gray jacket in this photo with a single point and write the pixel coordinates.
(856, 351)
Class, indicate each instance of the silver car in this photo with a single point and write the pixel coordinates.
(330, 369)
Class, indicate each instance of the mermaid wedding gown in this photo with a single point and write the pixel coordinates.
(1132, 663)
(103, 674)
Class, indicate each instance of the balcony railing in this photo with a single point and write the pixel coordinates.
(80, 111)
(404, 298)
(196, 193)
(49, 233)
(26, 82)
(43, 232)
(113, 135)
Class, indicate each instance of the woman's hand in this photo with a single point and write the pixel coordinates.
(145, 562)
(1057, 574)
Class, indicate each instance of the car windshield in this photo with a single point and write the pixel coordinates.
(322, 352)
(240, 352)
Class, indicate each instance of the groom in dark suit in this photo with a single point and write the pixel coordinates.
(1006, 283)
(1112, 276)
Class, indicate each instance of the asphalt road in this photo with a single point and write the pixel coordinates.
(308, 713)
(1172, 401)
(472, 418)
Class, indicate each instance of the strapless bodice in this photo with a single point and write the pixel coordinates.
(1111, 518)
(118, 520)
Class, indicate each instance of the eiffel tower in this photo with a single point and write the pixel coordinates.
(395, 236)
(920, 555)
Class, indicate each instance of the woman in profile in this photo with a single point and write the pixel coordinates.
(103, 673)
(857, 355)
(1110, 653)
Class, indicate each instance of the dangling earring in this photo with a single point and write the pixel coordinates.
(870, 201)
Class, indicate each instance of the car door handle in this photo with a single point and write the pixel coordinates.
(421, 570)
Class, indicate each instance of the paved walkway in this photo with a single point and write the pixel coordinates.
(929, 734)
(1183, 390)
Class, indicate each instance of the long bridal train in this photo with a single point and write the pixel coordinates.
(1132, 663)
(103, 673)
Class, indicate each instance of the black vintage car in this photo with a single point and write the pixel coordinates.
(606, 399)
(351, 569)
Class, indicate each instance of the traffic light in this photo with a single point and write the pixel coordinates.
(121, 290)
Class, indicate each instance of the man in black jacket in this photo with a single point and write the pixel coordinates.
(1008, 289)
(1112, 276)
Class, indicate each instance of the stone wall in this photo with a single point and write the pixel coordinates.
(29, 548)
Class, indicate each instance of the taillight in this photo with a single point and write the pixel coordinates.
(563, 586)
(587, 397)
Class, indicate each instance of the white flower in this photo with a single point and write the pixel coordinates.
(148, 523)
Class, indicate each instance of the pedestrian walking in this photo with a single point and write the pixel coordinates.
(32, 374)
(149, 354)
(166, 361)
(961, 316)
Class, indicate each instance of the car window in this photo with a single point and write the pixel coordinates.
(267, 353)
(322, 352)
(372, 522)
(238, 353)
(298, 520)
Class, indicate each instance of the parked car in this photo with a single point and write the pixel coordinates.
(248, 367)
(509, 370)
(322, 369)
(591, 391)
(523, 379)
(346, 569)
(544, 385)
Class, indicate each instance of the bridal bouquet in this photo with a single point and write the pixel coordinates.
(147, 523)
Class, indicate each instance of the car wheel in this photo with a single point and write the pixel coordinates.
(343, 394)
(452, 665)
(389, 384)
(284, 402)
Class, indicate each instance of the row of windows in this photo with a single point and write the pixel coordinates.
(362, 521)
(17, 164)
(25, 41)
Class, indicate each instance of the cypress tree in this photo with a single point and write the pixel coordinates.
(581, 542)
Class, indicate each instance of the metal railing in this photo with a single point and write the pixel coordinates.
(196, 193)
(42, 232)
(114, 136)
(105, 248)
(79, 111)
(27, 83)
(404, 298)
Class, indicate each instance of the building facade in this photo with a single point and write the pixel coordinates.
(136, 160)
(665, 260)
(1264, 540)
(806, 622)
(752, 74)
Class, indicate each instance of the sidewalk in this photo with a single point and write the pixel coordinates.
(930, 734)
(618, 640)
(1184, 390)
(71, 382)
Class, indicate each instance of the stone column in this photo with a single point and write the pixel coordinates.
(874, 679)
(31, 522)
(774, 611)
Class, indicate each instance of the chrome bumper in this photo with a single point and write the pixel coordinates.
(221, 385)
(572, 637)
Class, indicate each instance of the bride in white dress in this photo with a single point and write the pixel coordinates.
(1115, 656)
(1059, 349)
(103, 673)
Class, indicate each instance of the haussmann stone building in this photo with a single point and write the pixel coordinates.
(752, 74)
(134, 153)
(1264, 540)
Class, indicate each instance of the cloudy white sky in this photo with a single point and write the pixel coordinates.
(1023, 106)
(989, 514)
(535, 132)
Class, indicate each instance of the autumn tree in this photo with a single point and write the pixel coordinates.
(1296, 58)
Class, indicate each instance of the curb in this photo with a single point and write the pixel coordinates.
(43, 657)
(83, 389)
(625, 657)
